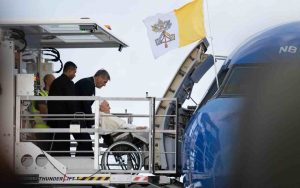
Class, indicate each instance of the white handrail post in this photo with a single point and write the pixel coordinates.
(151, 133)
(96, 135)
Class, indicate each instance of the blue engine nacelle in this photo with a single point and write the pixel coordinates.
(212, 131)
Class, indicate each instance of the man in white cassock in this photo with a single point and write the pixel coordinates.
(109, 123)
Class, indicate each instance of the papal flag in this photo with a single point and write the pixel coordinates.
(177, 28)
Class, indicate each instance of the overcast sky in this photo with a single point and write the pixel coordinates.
(134, 71)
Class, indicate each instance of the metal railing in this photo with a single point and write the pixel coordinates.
(24, 118)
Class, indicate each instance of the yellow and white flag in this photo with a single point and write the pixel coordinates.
(177, 28)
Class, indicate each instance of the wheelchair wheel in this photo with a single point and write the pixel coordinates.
(122, 156)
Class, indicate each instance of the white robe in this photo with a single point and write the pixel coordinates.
(111, 122)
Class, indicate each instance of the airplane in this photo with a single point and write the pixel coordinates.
(194, 142)
(212, 132)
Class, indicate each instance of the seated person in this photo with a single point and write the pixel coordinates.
(111, 122)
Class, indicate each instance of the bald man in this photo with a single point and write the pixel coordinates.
(40, 107)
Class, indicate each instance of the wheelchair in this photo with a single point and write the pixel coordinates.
(126, 151)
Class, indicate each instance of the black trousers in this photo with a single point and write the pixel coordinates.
(60, 145)
(83, 146)
(46, 144)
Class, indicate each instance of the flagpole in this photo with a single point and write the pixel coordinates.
(212, 45)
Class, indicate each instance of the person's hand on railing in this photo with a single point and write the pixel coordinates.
(141, 127)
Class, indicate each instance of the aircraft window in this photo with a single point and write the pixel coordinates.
(213, 89)
(238, 80)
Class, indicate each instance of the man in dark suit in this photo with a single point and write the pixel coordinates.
(62, 86)
(86, 87)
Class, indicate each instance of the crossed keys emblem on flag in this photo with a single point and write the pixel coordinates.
(165, 37)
